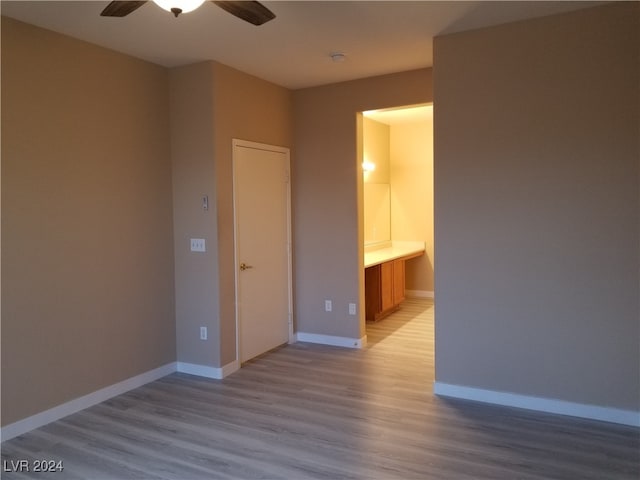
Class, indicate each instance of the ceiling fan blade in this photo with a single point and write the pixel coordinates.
(121, 9)
(252, 12)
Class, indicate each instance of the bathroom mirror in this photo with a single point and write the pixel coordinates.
(377, 213)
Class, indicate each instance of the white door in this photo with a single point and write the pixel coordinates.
(262, 236)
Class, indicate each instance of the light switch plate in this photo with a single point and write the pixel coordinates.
(198, 245)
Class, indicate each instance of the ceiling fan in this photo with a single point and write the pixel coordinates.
(252, 12)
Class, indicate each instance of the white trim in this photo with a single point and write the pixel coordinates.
(593, 412)
(332, 340)
(77, 404)
(419, 293)
(208, 372)
(73, 406)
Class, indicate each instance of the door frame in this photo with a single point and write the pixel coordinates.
(271, 148)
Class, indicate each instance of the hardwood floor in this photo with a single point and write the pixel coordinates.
(312, 412)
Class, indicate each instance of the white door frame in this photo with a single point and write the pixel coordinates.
(271, 148)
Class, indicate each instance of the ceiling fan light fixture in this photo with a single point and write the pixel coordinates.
(178, 6)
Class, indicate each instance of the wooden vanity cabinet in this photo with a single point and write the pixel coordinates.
(384, 289)
(398, 281)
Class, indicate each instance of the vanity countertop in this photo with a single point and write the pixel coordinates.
(392, 251)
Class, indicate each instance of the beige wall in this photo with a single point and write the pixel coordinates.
(192, 153)
(327, 192)
(376, 147)
(211, 104)
(246, 108)
(412, 197)
(537, 207)
(376, 183)
(87, 270)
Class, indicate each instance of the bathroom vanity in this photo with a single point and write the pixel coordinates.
(384, 277)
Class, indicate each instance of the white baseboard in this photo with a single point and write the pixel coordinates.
(56, 413)
(332, 340)
(593, 412)
(229, 368)
(419, 293)
(209, 372)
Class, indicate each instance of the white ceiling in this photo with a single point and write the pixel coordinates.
(293, 50)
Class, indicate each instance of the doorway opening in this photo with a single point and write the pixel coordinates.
(396, 154)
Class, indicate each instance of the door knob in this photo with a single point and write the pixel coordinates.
(244, 266)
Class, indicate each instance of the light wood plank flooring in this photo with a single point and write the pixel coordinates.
(316, 412)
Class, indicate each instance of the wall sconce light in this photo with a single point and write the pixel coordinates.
(368, 166)
(178, 6)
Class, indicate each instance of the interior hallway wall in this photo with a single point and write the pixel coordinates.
(327, 193)
(211, 104)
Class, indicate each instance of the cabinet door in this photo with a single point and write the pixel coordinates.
(398, 281)
(386, 285)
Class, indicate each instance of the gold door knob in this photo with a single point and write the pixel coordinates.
(244, 266)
